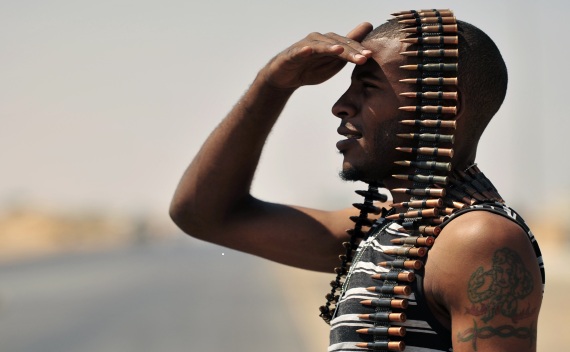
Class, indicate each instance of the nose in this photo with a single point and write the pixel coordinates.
(344, 107)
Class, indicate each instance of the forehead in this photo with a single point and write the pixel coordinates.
(386, 59)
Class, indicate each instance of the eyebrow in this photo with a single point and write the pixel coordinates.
(365, 73)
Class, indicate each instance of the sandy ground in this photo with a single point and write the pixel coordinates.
(304, 292)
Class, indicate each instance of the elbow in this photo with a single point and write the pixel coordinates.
(175, 212)
(202, 219)
(195, 218)
(186, 218)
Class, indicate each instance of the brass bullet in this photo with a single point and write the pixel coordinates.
(440, 28)
(431, 109)
(472, 181)
(431, 67)
(426, 203)
(464, 199)
(422, 20)
(449, 81)
(423, 229)
(428, 151)
(436, 221)
(384, 316)
(397, 290)
(423, 178)
(404, 264)
(407, 12)
(470, 191)
(454, 204)
(476, 173)
(414, 240)
(407, 251)
(384, 331)
(447, 39)
(435, 192)
(422, 213)
(383, 345)
(429, 230)
(426, 165)
(428, 137)
(432, 53)
(424, 13)
(386, 302)
(406, 276)
(430, 123)
(431, 95)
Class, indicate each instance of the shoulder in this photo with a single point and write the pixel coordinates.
(474, 243)
(482, 229)
(482, 275)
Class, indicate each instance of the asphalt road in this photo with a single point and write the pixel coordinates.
(181, 295)
(166, 296)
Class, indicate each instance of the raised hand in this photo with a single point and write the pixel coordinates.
(316, 58)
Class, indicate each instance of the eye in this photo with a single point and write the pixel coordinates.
(369, 85)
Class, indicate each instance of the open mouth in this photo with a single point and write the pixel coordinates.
(349, 132)
(352, 135)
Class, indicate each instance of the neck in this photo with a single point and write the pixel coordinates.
(466, 185)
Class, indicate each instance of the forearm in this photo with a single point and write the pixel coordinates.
(215, 187)
(219, 178)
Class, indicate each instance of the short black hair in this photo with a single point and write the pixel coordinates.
(482, 72)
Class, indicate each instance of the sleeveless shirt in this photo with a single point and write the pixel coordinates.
(424, 332)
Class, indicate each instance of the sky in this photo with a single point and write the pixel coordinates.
(104, 103)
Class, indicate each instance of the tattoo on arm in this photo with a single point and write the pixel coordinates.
(498, 291)
(504, 331)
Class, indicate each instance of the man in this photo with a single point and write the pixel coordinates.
(479, 289)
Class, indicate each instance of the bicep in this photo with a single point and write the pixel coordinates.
(498, 308)
(494, 289)
(297, 236)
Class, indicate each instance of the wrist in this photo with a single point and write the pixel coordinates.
(265, 82)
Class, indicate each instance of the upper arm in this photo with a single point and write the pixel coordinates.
(484, 273)
(302, 237)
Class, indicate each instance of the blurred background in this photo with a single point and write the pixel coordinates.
(104, 103)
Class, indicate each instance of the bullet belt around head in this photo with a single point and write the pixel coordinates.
(437, 190)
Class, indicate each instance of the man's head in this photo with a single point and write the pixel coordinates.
(482, 87)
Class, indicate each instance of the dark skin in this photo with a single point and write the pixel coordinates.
(213, 201)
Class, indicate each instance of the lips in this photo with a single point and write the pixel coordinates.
(351, 134)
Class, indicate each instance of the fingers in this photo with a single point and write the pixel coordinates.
(346, 47)
(360, 31)
(352, 49)
(316, 47)
(358, 34)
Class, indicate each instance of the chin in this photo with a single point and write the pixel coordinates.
(365, 174)
(356, 174)
(350, 174)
